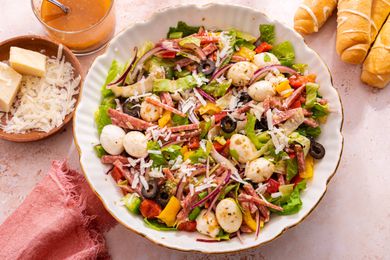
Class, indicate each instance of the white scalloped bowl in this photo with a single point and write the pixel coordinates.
(211, 16)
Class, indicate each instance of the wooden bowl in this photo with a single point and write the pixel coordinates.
(49, 48)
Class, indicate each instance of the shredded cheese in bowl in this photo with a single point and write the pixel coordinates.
(43, 103)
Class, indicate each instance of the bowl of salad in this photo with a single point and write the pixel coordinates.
(209, 124)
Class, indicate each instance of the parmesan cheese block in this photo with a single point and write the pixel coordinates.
(9, 86)
(28, 62)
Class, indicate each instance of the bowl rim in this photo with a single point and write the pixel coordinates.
(156, 242)
(40, 135)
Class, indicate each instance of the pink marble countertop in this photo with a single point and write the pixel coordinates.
(351, 222)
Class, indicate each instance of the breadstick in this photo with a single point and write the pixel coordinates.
(376, 67)
(312, 14)
(353, 30)
(380, 10)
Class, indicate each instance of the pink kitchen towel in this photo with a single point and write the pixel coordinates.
(60, 219)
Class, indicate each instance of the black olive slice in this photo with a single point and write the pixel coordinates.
(317, 150)
(207, 67)
(228, 125)
(152, 191)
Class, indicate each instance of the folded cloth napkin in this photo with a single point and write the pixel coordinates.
(60, 219)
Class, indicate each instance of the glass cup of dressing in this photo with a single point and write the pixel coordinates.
(85, 29)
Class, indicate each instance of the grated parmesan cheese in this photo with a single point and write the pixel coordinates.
(43, 103)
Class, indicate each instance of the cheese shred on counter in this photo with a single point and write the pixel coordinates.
(43, 103)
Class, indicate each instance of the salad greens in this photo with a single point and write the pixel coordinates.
(196, 130)
(267, 33)
(182, 28)
(285, 53)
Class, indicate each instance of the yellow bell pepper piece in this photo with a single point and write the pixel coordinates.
(309, 168)
(249, 221)
(184, 149)
(165, 119)
(169, 213)
(246, 53)
(187, 155)
(210, 109)
(284, 89)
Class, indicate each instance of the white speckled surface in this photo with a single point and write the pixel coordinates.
(351, 222)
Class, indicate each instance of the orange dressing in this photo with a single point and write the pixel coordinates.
(76, 29)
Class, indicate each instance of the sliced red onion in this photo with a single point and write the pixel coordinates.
(239, 236)
(214, 193)
(198, 50)
(123, 77)
(141, 61)
(205, 95)
(180, 188)
(218, 73)
(260, 73)
(216, 196)
(209, 196)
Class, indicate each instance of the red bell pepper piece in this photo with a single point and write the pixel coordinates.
(296, 104)
(225, 151)
(168, 54)
(189, 226)
(263, 47)
(116, 174)
(219, 147)
(149, 208)
(218, 117)
(272, 186)
(194, 143)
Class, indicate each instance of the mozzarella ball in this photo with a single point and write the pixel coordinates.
(260, 90)
(259, 170)
(207, 224)
(241, 73)
(136, 144)
(265, 59)
(150, 112)
(111, 139)
(245, 149)
(229, 215)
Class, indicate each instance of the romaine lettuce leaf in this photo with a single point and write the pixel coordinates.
(158, 159)
(179, 120)
(258, 140)
(171, 152)
(184, 28)
(200, 154)
(154, 224)
(291, 168)
(244, 36)
(319, 110)
(101, 115)
(190, 39)
(300, 67)
(292, 203)
(172, 86)
(308, 131)
(243, 43)
(267, 33)
(295, 137)
(217, 89)
(311, 94)
(285, 53)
